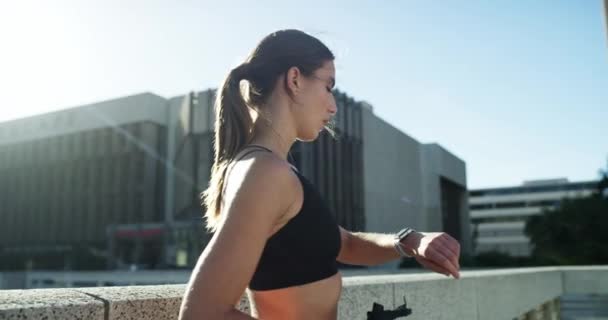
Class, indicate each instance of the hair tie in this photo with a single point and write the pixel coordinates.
(241, 72)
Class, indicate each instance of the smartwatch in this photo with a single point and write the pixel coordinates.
(400, 236)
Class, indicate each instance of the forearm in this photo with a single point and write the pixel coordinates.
(371, 249)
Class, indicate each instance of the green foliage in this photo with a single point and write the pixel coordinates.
(574, 233)
(602, 186)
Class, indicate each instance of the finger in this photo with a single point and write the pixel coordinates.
(433, 266)
(449, 250)
(456, 245)
(441, 259)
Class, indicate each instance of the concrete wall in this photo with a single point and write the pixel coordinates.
(494, 294)
(436, 162)
(392, 176)
(190, 121)
(402, 181)
(135, 108)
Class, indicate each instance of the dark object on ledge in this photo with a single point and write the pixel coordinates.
(378, 312)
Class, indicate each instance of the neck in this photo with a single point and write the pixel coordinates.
(274, 137)
(275, 129)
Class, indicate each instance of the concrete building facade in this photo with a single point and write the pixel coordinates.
(122, 179)
(410, 183)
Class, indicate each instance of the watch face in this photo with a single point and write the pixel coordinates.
(403, 233)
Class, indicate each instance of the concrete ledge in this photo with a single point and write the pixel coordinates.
(495, 294)
(585, 280)
(49, 304)
(140, 302)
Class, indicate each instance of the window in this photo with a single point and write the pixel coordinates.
(481, 206)
(505, 205)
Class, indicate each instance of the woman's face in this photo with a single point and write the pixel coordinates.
(316, 103)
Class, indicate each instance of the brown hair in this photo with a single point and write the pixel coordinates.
(271, 58)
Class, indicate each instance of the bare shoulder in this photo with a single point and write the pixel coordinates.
(263, 180)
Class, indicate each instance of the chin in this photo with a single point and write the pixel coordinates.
(309, 136)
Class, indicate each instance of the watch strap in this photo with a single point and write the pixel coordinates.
(402, 234)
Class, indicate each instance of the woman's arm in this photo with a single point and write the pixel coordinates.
(229, 260)
(436, 251)
(369, 249)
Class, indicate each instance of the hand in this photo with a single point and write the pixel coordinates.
(437, 251)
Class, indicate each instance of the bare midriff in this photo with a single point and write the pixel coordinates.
(316, 300)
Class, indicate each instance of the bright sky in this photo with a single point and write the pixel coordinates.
(517, 89)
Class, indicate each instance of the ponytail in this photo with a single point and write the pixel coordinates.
(233, 125)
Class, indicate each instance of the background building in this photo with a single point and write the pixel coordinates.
(499, 214)
(119, 181)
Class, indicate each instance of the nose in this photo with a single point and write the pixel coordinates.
(333, 108)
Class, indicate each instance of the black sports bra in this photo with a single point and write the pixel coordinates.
(305, 249)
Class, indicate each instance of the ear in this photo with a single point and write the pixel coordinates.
(293, 80)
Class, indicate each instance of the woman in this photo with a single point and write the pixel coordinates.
(273, 234)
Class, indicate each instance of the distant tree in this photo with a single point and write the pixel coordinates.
(602, 186)
(575, 232)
